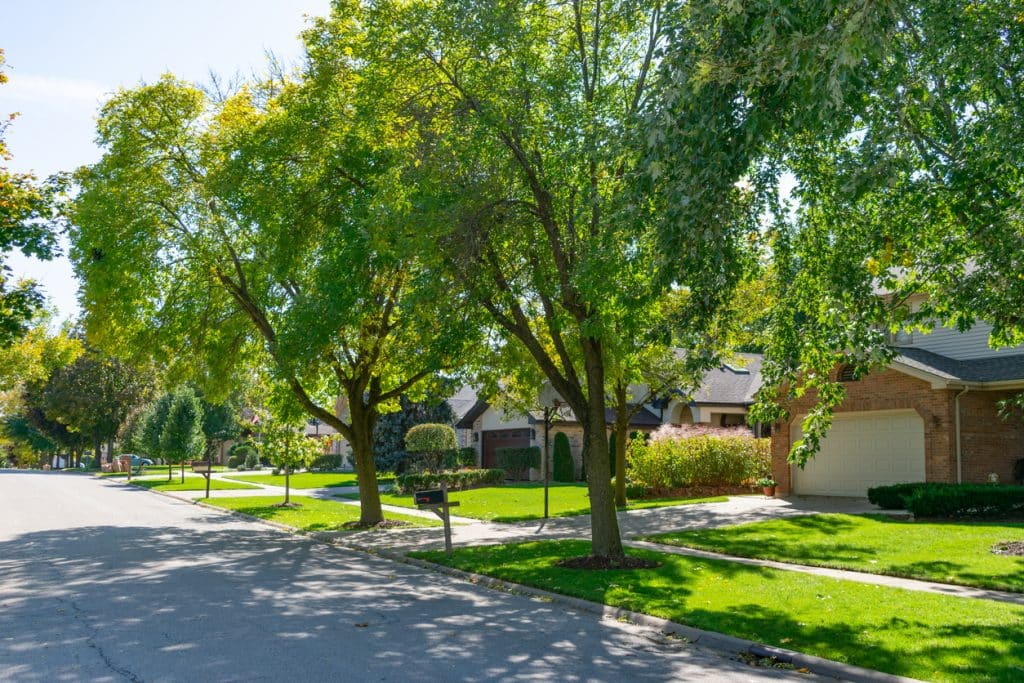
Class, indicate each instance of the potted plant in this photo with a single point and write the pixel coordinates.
(767, 485)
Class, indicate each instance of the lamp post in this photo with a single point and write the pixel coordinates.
(551, 402)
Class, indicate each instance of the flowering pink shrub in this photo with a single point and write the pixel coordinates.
(697, 455)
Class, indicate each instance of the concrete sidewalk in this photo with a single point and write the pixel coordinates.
(633, 525)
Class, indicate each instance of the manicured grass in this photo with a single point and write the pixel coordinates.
(933, 551)
(313, 515)
(922, 635)
(521, 502)
(308, 480)
(191, 484)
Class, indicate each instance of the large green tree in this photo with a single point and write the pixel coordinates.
(902, 124)
(274, 228)
(28, 223)
(93, 396)
(389, 434)
(535, 112)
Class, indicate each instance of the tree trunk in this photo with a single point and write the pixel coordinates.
(287, 484)
(604, 523)
(363, 421)
(182, 471)
(97, 445)
(110, 448)
(621, 434)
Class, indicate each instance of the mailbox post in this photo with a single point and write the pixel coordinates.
(436, 500)
(204, 468)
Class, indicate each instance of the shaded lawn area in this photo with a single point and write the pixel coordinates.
(195, 483)
(922, 635)
(313, 515)
(946, 552)
(309, 480)
(521, 502)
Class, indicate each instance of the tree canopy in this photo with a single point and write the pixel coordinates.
(28, 222)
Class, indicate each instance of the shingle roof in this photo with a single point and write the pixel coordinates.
(463, 401)
(733, 383)
(996, 368)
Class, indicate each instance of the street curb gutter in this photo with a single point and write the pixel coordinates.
(709, 639)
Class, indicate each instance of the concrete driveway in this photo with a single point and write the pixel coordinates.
(104, 582)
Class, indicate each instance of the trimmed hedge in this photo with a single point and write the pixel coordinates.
(326, 462)
(234, 462)
(516, 461)
(965, 500)
(563, 468)
(892, 497)
(458, 458)
(667, 464)
(457, 481)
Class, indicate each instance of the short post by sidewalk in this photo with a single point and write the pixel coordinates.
(203, 467)
(436, 500)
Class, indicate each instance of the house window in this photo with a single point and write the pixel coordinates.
(847, 373)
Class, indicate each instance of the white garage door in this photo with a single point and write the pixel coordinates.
(863, 449)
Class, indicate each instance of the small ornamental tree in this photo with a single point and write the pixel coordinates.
(153, 420)
(561, 459)
(287, 446)
(431, 441)
(182, 438)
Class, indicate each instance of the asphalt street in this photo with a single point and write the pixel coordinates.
(103, 582)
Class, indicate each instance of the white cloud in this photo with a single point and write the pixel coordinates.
(52, 90)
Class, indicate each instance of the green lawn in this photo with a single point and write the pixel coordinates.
(922, 635)
(313, 515)
(309, 480)
(191, 484)
(945, 552)
(521, 502)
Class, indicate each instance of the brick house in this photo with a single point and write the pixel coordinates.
(931, 415)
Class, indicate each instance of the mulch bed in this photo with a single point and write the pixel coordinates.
(602, 563)
(700, 492)
(1009, 548)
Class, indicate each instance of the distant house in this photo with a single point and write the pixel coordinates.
(723, 399)
(930, 415)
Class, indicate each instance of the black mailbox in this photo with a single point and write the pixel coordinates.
(430, 497)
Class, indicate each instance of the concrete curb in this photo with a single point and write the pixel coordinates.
(720, 642)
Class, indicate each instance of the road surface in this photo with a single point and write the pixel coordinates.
(103, 582)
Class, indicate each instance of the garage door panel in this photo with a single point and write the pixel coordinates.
(864, 450)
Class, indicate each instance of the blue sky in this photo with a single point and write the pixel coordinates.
(65, 57)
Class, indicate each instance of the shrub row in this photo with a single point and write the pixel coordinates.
(463, 479)
(516, 461)
(892, 497)
(951, 501)
(661, 465)
(326, 462)
(457, 458)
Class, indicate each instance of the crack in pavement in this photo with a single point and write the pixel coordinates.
(81, 616)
